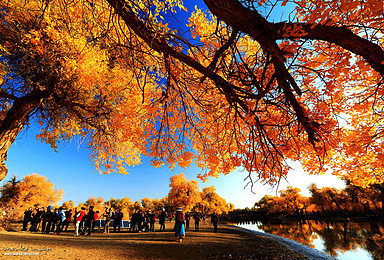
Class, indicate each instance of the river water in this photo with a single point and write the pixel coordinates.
(341, 240)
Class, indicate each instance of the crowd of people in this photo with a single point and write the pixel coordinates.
(56, 220)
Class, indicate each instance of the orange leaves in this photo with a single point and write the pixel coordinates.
(183, 193)
(129, 96)
(187, 195)
(34, 189)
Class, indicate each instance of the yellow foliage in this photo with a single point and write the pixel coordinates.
(33, 190)
(145, 91)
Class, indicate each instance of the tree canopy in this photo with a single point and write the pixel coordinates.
(186, 194)
(245, 90)
(18, 195)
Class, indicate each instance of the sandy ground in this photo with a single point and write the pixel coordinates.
(228, 243)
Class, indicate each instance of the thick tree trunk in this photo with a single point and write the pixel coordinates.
(233, 13)
(14, 122)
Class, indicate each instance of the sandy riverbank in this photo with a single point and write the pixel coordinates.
(228, 243)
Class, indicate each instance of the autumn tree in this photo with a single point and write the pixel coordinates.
(267, 91)
(10, 191)
(137, 205)
(363, 200)
(68, 205)
(294, 202)
(211, 202)
(31, 190)
(52, 73)
(187, 194)
(183, 193)
(163, 203)
(249, 90)
(320, 199)
(289, 202)
(125, 205)
(96, 202)
(147, 204)
(266, 203)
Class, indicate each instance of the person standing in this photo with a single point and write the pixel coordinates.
(180, 224)
(36, 219)
(68, 216)
(187, 220)
(27, 218)
(52, 224)
(117, 220)
(51, 217)
(162, 218)
(46, 217)
(134, 221)
(89, 222)
(146, 222)
(61, 221)
(214, 221)
(83, 224)
(95, 218)
(78, 218)
(108, 217)
(196, 217)
(140, 221)
(152, 220)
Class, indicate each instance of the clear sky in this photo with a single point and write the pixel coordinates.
(70, 169)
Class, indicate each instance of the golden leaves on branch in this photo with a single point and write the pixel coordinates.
(116, 87)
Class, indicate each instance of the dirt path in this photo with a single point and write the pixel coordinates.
(228, 243)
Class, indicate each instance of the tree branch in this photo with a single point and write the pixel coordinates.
(341, 36)
(159, 44)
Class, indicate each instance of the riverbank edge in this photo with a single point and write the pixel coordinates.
(304, 250)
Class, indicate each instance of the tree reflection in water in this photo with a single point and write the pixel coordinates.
(338, 237)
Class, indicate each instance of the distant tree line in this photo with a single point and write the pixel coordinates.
(16, 196)
(326, 201)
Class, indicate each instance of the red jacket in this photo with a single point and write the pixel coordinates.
(79, 218)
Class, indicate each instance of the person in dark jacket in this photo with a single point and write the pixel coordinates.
(197, 218)
(152, 220)
(187, 220)
(134, 221)
(27, 218)
(162, 218)
(214, 221)
(140, 221)
(145, 226)
(52, 224)
(89, 221)
(118, 217)
(36, 219)
(46, 218)
(68, 216)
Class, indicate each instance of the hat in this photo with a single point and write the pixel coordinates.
(180, 209)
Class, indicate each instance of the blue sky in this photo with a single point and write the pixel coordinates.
(70, 169)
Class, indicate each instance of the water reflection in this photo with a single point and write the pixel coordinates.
(338, 237)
